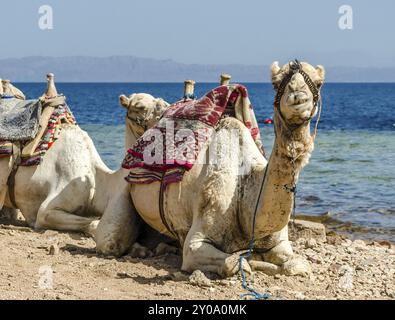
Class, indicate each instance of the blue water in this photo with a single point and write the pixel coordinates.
(352, 170)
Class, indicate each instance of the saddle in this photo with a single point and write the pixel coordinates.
(48, 109)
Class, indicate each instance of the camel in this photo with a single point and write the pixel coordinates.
(214, 211)
(72, 189)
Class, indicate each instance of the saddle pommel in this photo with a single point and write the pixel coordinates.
(51, 89)
(225, 79)
(189, 89)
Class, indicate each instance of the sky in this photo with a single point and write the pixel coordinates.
(205, 31)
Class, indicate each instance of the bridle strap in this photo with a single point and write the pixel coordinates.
(139, 122)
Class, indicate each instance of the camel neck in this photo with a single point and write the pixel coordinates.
(276, 200)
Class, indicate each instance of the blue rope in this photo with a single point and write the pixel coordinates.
(7, 97)
(252, 293)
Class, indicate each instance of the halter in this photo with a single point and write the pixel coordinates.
(296, 67)
(141, 122)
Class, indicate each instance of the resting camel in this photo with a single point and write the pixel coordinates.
(72, 189)
(212, 209)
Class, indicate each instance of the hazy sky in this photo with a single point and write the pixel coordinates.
(204, 31)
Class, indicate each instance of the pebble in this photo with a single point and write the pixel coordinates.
(179, 276)
(310, 243)
(54, 249)
(164, 248)
(300, 296)
(198, 278)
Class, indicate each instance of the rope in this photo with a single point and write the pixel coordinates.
(252, 293)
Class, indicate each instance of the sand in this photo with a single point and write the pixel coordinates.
(56, 265)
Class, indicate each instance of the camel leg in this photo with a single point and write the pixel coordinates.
(9, 213)
(64, 221)
(200, 254)
(282, 251)
(5, 170)
(119, 226)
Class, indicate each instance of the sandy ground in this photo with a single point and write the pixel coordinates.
(341, 269)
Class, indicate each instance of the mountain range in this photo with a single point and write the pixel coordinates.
(135, 69)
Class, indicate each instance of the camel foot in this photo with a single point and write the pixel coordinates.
(279, 254)
(265, 267)
(232, 266)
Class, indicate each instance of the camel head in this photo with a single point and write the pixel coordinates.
(297, 85)
(143, 110)
(11, 91)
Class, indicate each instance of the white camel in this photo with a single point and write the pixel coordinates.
(211, 210)
(72, 189)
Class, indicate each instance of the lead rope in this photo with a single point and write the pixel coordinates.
(252, 293)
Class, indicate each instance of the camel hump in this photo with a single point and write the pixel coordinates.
(1, 87)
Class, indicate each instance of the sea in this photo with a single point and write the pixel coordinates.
(349, 183)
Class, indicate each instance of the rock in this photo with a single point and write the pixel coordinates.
(385, 243)
(139, 251)
(300, 296)
(347, 277)
(266, 267)
(310, 243)
(198, 278)
(359, 243)
(296, 266)
(179, 276)
(54, 249)
(164, 248)
(124, 275)
(306, 229)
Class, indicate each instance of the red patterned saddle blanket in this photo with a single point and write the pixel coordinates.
(172, 146)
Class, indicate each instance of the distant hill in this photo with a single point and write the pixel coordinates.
(134, 69)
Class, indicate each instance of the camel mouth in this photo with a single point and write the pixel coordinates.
(298, 99)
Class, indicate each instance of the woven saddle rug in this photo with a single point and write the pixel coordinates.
(61, 115)
(19, 119)
(172, 146)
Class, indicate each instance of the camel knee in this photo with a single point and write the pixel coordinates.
(110, 248)
(42, 220)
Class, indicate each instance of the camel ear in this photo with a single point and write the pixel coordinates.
(275, 68)
(124, 101)
(321, 72)
(160, 104)
(276, 75)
